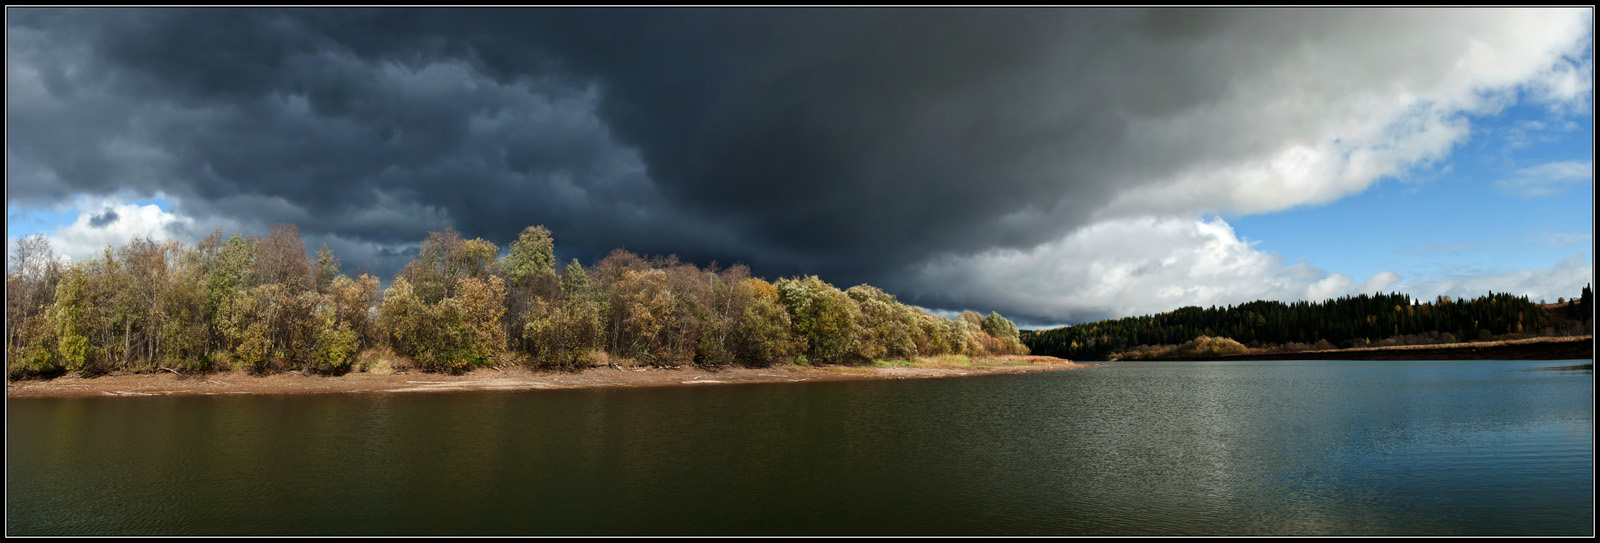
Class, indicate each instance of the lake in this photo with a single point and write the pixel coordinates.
(1476, 447)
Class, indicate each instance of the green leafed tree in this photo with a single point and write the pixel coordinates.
(531, 259)
(327, 268)
(446, 257)
(822, 317)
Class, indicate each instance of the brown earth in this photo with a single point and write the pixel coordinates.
(1541, 348)
(514, 378)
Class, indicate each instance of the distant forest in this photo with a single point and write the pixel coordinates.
(1358, 321)
(265, 304)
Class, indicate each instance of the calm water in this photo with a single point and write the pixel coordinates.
(1269, 447)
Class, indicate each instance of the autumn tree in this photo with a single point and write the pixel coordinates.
(75, 320)
(355, 301)
(607, 277)
(482, 301)
(997, 326)
(562, 331)
(582, 314)
(721, 302)
(262, 304)
(531, 259)
(647, 315)
(931, 334)
(184, 337)
(442, 306)
(763, 335)
(529, 268)
(32, 272)
(327, 268)
(227, 271)
(446, 257)
(408, 321)
(281, 260)
(822, 318)
(888, 327)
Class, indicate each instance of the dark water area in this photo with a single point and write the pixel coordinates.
(1478, 447)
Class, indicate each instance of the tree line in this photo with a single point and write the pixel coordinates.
(1350, 321)
(265, 304)
(1582, 308)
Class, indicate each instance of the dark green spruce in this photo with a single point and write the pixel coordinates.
(1351, 321)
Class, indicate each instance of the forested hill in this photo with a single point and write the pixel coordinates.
(1345, 322)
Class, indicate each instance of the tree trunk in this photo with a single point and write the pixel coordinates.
(127, 341)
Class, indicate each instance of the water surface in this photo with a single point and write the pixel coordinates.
(1260, 447)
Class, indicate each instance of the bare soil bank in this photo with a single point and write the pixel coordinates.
(517, 378)
(1544, 348)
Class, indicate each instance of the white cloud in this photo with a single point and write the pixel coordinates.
(1563, 280)
(1529, 132)
(1378, 283)
(1547, 179)
(1329, 287)
(1130, 267)
(1341, 109)
(1320, 120)
(114, 222)
(1560, 239)
(105, 221)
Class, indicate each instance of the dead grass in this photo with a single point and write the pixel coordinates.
(603, 359)
(380, 361)
(958, 361)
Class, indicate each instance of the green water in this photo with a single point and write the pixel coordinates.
(1267, 447)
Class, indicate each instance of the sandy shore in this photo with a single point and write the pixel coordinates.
(517, 378)
(1542, 348)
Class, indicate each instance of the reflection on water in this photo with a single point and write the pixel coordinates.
(1260, 447)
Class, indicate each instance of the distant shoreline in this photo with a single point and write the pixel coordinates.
(514, 378)
(1544, 348)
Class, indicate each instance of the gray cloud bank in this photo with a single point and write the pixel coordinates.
(898, 147)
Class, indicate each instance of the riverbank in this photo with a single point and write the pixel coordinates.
(515, 378)
(1542, 348)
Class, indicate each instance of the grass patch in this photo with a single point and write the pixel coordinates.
(948, 361)
(941, 361)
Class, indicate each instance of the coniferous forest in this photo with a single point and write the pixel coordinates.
(1352, 321)
(266, 304)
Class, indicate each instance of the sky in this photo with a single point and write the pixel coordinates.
(1057, 165)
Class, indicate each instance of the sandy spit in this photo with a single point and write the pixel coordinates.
(514, 378)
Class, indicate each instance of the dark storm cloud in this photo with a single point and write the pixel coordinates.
(850, 143)
(105, 218)
(841, 142)
(255, 117)
(858, 140)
